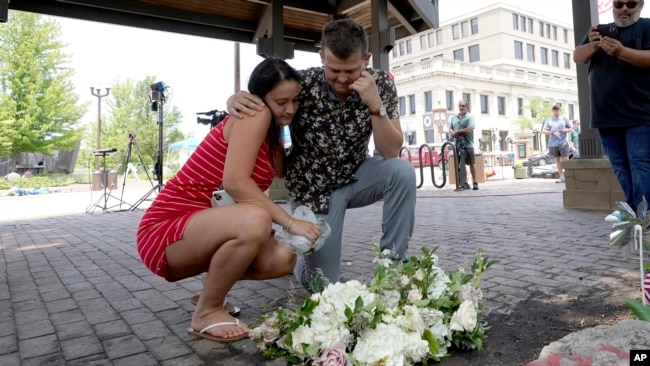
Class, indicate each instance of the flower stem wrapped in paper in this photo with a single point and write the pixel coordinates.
(299, 244)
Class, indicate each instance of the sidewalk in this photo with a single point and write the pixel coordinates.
(74, 292)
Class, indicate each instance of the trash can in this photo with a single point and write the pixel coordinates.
(521, 172)
(112, 179)
(96, 183)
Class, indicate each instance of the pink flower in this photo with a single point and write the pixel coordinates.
(334, 356)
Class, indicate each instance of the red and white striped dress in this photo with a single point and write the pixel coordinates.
(189, 192)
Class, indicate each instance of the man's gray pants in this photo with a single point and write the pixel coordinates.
(393, 181)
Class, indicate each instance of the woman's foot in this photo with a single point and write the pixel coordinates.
(224, 327)
(230, 308)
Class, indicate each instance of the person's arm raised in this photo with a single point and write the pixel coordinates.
(244, 102)
(583, 53)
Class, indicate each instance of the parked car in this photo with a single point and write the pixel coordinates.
(540, 159)
(426, 156)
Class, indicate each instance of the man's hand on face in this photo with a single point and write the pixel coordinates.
(244, 102)
(366, 87)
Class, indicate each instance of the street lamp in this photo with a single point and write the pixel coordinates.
(98, 93)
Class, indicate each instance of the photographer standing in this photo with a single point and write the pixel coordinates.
(461, 127)
(619, 80)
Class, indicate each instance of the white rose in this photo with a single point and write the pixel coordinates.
(414, 295)
(464, 318)
(392, 298)
(419, 275)
(404, 280)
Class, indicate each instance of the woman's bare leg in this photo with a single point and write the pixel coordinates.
(222, 241)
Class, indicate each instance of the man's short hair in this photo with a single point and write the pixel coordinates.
(344, 37)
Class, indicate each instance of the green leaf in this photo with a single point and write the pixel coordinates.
(292, 359)
(358, 304)
(434, 347)
(642, 312)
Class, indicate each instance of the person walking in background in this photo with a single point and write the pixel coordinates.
(557, 127)
(181, 235)
(574, 140)
(341, 104)
(461, 127)
(619, 80)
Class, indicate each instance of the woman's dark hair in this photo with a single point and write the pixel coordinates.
(266, 76)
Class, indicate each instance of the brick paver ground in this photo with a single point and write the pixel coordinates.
(74, 292)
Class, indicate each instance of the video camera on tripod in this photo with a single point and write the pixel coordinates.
(216, 116)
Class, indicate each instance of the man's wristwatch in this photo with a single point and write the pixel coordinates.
(381, 112)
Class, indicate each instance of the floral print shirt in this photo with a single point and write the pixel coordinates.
(330, 137)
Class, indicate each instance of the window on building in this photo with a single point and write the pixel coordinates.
(555, 58)
(449, 99)
(566, 35)
(548, 30)
(567, 60)
(541, 29)
(459, 55)
(543, 53)
(530, 25)
(555, 32)
(439, 37)
(523, 23)
(515, 21)
(394, 52)
(530, 52)
(431, 37)
(474, 24)
(501, 105)
(423, 42)
(474, 53)
(519, 52)
(409, 47)
(455, 31)
(402, 106)
(520, 106)
(570, 111)
(412, 104)
(484, 104)
(428, 101)
(468, 98)
(401, 48)
(464, 29)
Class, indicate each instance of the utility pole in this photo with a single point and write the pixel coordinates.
(237, 68)
(98, 93)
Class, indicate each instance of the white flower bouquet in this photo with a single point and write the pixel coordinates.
(407, 313)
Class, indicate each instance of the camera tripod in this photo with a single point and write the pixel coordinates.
(106, 181)
(157, 101)
(125, 164)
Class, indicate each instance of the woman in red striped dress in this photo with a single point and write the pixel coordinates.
(181, 235)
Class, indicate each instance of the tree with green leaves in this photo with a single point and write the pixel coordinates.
(540, 110)
(129, 111)
(39, 110)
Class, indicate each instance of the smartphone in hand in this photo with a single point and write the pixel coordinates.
(607, 30)
(221, 198)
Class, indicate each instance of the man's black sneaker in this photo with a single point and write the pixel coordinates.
(466, 186)
(475, 186)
